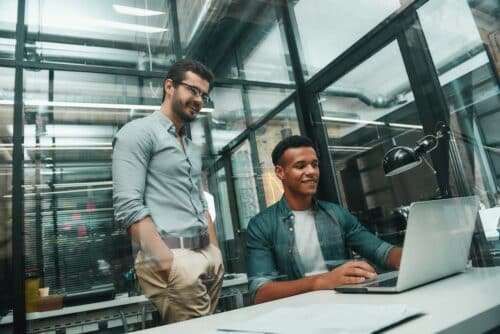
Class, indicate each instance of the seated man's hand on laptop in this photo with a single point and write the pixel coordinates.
(352, 272)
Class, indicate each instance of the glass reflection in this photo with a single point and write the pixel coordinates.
(228, 239)
(469, 80)
(71, 240)
(263, 100)
(464, 57)
(267, 61)
(129, 34)
(245, 183)
(243, 48)
(228, 117)
(366, 112)
(6, 151)
(8, 18)
(342, 24)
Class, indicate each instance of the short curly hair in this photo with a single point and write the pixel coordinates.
(289, 142)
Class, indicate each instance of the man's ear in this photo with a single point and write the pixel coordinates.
(280, 172)
(169, 87)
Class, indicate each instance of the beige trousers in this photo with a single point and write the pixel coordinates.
(193, 285)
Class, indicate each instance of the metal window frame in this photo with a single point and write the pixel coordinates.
(18, 260)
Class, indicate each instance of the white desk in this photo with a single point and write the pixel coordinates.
(464, 303)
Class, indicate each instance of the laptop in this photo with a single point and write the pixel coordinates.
(437, 242)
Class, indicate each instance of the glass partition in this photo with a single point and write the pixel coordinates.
(266, 61)
(245, 183)
(228, 232)
(71, 240)
(234, 107)
(8, 19)
(469, 79)
(228, 118)
(366, 112)
(102, 33)
(262, 100)
(223, 222)
(251, 49)
(6, 151)
(328, 28)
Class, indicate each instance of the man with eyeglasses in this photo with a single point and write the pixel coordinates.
(158, 198)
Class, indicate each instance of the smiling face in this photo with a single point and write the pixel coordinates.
(185, 105)
(298, 170)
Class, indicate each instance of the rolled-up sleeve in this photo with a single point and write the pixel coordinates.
(261, 267)
(131, 153)
(364, 242)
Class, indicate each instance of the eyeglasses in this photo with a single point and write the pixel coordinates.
(196, 91)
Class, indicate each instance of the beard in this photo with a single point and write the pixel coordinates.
(178, 108)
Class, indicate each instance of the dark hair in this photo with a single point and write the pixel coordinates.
(289, 142)
(180, 67)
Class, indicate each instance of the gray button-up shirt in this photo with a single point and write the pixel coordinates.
(153, 176)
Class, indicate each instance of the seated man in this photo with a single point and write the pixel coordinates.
(300, 243)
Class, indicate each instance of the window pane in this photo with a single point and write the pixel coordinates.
(245, 183)
(367, 112)
(71, 239)
(228, 240)
(100, 32)
(232, 106)
(267, 60)
(268, 136)
(201, 135)
(263, 100)
(228, 118)
(6, 128)
(328, 28)
(8, 20)
(469, 81)
(245, 41)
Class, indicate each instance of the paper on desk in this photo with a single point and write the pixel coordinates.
(325, 318)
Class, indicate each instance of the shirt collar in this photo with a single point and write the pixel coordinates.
(168, 124)
(285, 211)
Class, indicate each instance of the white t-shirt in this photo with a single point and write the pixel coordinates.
(306, 239)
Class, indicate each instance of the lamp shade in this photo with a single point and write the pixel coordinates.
(400, 159)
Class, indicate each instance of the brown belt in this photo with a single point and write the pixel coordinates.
(197, 242)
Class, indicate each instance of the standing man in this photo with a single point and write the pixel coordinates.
(158, 198)
(301, 244)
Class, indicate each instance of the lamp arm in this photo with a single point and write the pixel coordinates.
(442, 130)
(428, 164)
(430, 142)
(426, 144)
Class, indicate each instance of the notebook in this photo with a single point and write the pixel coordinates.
(437, 242)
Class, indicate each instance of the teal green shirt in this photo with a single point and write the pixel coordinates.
(272, 254)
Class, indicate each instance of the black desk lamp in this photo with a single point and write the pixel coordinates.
(399, 159)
